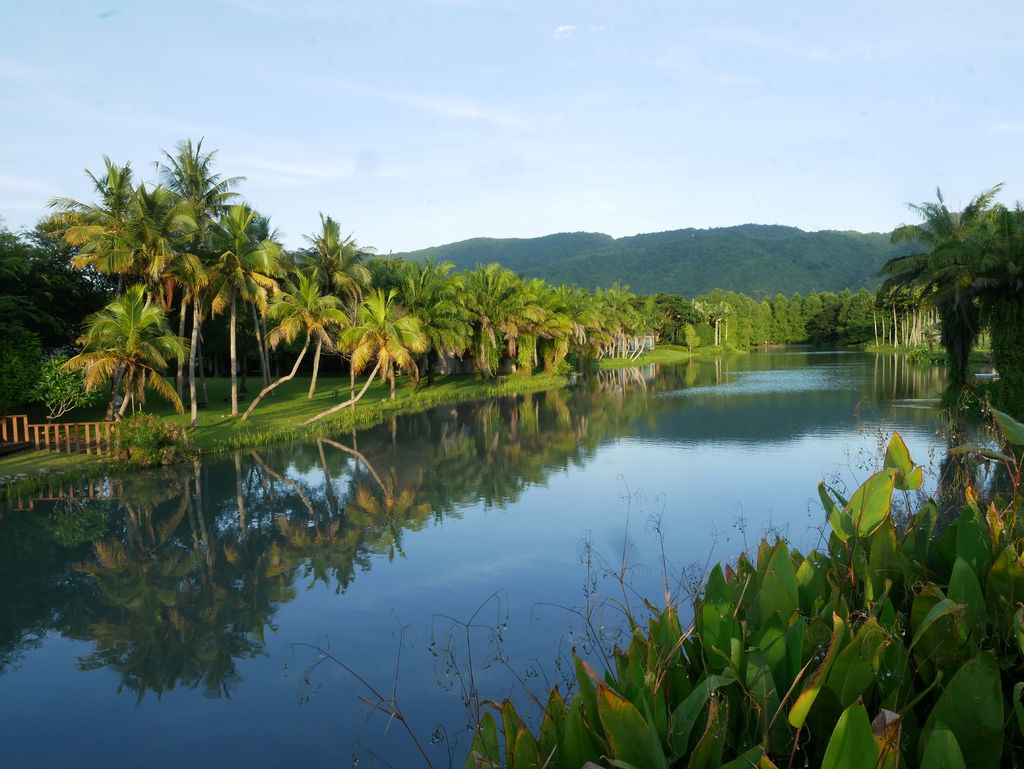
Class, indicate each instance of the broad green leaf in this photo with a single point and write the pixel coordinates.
(981, 451)
(552, 728)
(761, 685)
(483, 752)
(856, 666)
(852, 745)
(1018, 628)
(527, 755)
(717, 626)
(798, 713)
(870, 504)
(708, 752)
(972, 541)
(972, 707)
(631, 737)
(580, 744)
(778, 594)
(941, 751)
(941, 609)
(1013, 430)
(1006, 579)
(838, 518)
(1018, 706)
(897, 457)
(510, 723)
(965, 589)
(685, 716)
(750, 760)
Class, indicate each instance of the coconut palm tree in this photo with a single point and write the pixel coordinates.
(385, 333)
(99, 230)
(130, 335)
(429, 294)
(947, 270)
(240, 270)
(999, 283)
(498, 304)
(189, 174)
(159, 226)
(301, 308)
(338, 261)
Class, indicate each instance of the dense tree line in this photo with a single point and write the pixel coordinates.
(199, 280)
(180, 279)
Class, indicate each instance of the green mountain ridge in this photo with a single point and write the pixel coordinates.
(755, 259)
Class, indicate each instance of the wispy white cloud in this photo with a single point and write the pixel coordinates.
(564, 32)
(20, 184)
(459, 109)
(1008, 128)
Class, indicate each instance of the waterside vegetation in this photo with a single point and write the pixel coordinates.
(898, 644)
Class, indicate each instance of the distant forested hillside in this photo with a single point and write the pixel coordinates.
(755, 259)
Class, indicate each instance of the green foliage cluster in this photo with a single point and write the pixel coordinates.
(757, 260)
(896, 645)
(19, 364)
(148, 441)
(59, 389)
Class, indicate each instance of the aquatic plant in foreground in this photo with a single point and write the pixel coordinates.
(896, 645)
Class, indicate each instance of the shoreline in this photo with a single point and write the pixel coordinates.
(23, 473)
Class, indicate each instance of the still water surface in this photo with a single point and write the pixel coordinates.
(169, 622)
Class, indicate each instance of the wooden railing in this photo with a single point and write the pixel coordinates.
(14, 428)
(84, 437)
(87, 437)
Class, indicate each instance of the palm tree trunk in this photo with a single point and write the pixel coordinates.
(179, 379)
(124, 402)
(202, 370)
(264, 362)
(391, 379)
(340, 406)
(283, 379)
(193, 349)
(351, 383)
(234, 359)
(115, 384)
(316, 368)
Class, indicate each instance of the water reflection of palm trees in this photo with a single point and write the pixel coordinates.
(186, 579)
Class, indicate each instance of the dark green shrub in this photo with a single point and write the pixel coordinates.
(19, 365)
(145, 440)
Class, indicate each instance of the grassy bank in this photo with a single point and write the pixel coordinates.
(668, 355)
(278, 416)
(275, 419)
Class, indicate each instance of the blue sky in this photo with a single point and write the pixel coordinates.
(421, 122)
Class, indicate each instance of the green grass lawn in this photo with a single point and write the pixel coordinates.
(278, 416)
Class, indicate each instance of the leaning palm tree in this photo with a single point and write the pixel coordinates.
(947, 270)
(131, 335)
(241, 269)
(301, 308)
(385, 333)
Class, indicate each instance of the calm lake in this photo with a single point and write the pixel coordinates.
(459, 553)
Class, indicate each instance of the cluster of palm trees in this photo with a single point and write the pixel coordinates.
(973, 276)
(188, 248)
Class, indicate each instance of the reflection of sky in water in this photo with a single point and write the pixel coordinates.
(817, 379)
